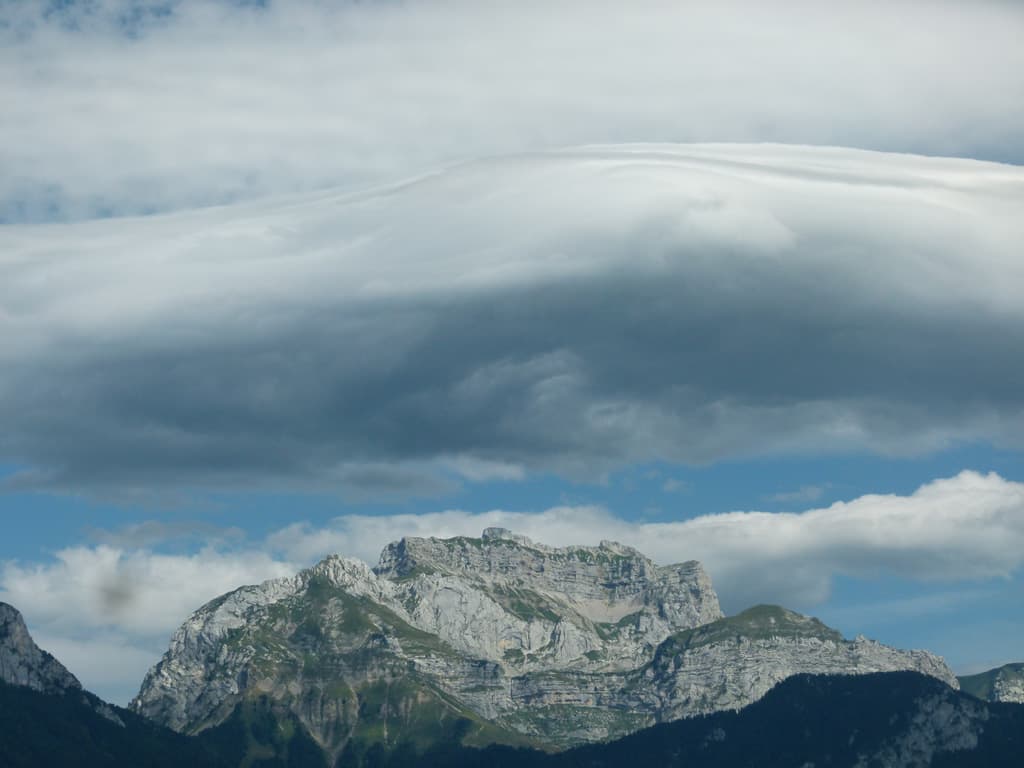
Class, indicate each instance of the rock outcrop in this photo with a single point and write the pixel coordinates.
(731, 662)
(25, 664)
(1005, 683)
(22, 662)
(497, 638)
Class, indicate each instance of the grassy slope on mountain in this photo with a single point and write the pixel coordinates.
(758, 623)
(356, 693)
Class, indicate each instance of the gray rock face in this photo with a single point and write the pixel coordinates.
(22, 662)
(1005, 684)
(530, 607)
(732, 662)
(1010, 689)
(529, 643)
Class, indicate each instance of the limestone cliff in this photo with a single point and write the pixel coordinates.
(1005, 684)
(495, 639)
(22, 662)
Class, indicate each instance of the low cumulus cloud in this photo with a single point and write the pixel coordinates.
(137, 591)
(107, 611)
(967, 527)
(131, 106)
(959, 530)
(570, 312)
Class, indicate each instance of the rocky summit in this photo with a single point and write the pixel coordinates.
(490, 640)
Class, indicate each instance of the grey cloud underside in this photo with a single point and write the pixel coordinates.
(569, 312)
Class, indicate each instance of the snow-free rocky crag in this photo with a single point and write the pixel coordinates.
(22, 662)
(1002, 684)
(25, 664)
(496, 639)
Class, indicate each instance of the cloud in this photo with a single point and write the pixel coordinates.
(150, 533)
(674, 486)
(135, 591)
(570, 312)
(131, 107)
(108, 662)
(963, 529)
(805, 494)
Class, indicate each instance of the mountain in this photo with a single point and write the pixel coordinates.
(895, 719)
(499, 639)
(1005, 683)
(47, 719)
(24, 663)
(734, 661)
(881, 720)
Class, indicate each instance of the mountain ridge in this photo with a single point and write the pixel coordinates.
(1002, 684)
(24, 663)
(519, 642)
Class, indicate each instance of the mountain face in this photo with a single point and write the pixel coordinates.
(1004, 683)
(490, 640)
(885, 720)
(732, 662)
(47, 719)
(23, 663)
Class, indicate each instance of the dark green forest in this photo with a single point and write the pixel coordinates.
(824, 720)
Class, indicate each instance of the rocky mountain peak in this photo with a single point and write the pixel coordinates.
(523, 641)
(22, 662)
(580, 586)
(504, 534)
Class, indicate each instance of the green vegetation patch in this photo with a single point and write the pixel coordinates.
(526, 604)
(566, 725)
(762, 622)
(514, 656)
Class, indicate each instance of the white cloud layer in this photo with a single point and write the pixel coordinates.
(569, 312)
(968, 527)
(112, 108)
(97, 603)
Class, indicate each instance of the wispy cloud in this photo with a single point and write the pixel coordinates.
(672, 485)
(150, 533)
(129, 106)
(805, 494)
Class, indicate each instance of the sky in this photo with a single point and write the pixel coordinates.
(736, 282)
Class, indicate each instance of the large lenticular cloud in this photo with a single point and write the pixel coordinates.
(570, 311)
(134, 106)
